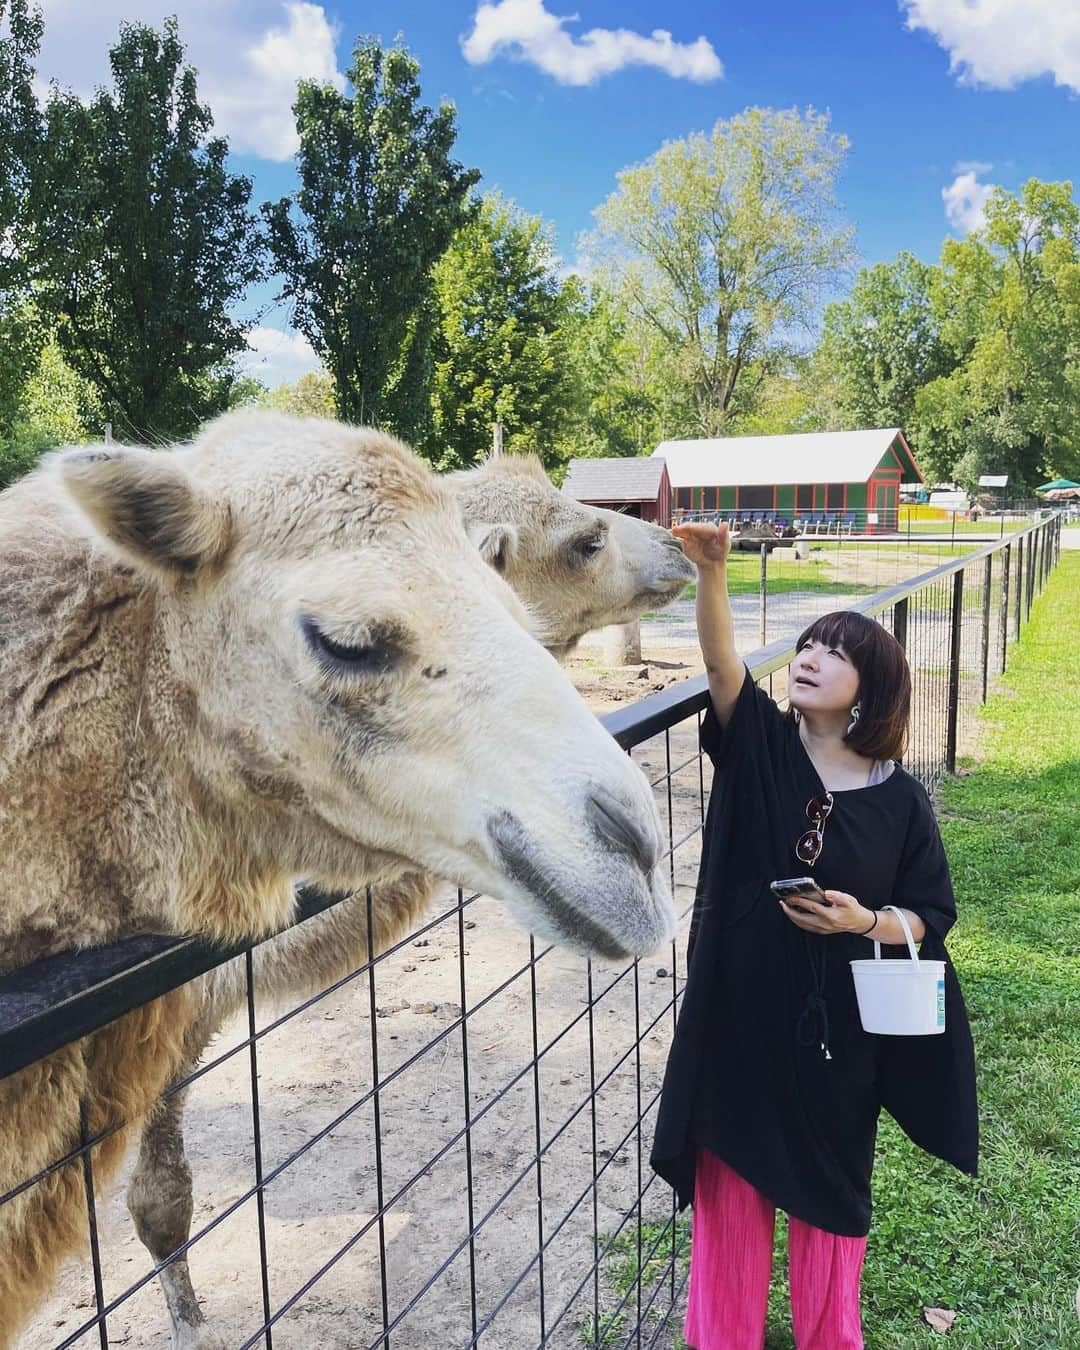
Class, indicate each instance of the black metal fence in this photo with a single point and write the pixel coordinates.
(448, 1146)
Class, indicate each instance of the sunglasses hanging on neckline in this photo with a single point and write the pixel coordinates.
(808, 845)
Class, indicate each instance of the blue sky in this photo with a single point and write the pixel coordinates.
(940, 98)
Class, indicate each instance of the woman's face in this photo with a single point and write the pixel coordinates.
(822, 679)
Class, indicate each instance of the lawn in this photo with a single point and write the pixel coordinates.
(1000, 1251)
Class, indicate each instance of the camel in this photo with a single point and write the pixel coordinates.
(576, 568)
(269, 655)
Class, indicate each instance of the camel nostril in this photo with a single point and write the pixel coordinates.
(621, 828)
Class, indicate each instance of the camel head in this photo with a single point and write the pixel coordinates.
(575, 567)
(331, 683)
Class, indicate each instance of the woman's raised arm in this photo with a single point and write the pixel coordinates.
(707, 547)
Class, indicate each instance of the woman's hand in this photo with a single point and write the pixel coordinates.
(704, 545)
(843, 915)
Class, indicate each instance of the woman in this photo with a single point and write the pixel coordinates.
(773, 1090)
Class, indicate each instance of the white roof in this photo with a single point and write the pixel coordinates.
(993, 479)
(748, 461)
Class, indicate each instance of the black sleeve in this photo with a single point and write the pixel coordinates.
(923, 884)
(755, 720)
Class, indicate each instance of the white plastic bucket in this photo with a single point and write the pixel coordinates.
(900, 998)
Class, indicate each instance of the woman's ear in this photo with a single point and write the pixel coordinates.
(145, 504)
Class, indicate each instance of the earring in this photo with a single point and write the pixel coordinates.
(797, 715)
(854, 720)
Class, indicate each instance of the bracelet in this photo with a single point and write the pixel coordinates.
(868, 931)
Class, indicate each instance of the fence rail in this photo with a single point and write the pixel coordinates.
(519, 1209)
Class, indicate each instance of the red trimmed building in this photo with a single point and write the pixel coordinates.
(853, 475)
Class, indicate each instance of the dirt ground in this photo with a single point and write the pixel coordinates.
(606, 688)
(313, 1068)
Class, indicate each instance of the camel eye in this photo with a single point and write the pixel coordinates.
(375, 656)
(590, 545)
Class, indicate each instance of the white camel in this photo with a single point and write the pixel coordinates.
(576, 567)
(268, 655)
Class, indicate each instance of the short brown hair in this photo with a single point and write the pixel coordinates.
(884, 680)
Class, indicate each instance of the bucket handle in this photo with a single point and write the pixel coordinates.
(907, 933)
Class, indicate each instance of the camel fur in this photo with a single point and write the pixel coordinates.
(576, 568)
(268, 655)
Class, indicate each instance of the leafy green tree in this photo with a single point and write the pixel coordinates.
(380, 198)
(499, 347)
(144, 242)
(1008, 302)
(798, 394)
(883, 343)
(20, 138)
(619, 402)
(56, 407)
(721, 245)
(312, 395)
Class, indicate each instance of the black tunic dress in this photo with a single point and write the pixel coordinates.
(770, 1067)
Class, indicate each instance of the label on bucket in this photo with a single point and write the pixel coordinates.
(941, 1003)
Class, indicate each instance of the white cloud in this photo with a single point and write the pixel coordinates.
(256, 108)
(277, 357)
(248, 57)
(528, 32)
(999, 43)
(965, 198)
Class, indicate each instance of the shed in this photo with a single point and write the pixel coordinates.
(850, 475)
(637, 487)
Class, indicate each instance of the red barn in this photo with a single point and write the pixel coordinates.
(636, 487)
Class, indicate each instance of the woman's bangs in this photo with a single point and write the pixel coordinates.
(842, 628)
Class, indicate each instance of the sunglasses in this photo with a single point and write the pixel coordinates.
(808, 847)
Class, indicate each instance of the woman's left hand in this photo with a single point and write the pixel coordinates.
(843, 915)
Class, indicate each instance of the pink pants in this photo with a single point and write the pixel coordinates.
(731, 1262)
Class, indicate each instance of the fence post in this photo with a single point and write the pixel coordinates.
(763, 588)
(954, 671)
(1006, 563)
(988, 572)
(1019, 584)
(899, 621)
(1044, 532)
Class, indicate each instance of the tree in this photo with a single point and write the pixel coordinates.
(144, 242)
(20, 138)
(56, 407)
(379, 201)
(883, 343)
(620, 398)
(1008, 301)
(312, 395)
(721, 245)
(499, 343)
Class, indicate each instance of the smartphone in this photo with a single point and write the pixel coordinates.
(791, 888)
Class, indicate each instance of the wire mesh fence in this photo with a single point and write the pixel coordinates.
(447, 1143)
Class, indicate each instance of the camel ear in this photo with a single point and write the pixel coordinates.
(497, 543)
(147, 506)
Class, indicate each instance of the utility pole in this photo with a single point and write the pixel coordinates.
(496, 440)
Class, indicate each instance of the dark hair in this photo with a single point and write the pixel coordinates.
(884, 680)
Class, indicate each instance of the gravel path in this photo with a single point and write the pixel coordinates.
(676, 629)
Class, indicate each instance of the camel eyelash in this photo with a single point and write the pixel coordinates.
(375, 656)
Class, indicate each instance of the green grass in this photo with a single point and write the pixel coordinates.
(991, 528)
(1001, 1250)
